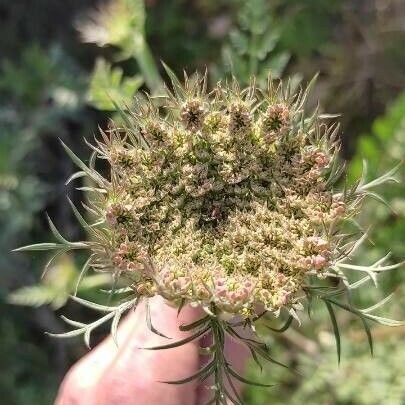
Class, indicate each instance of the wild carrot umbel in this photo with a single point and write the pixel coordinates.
(227, 200)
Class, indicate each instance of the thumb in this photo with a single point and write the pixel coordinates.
(135, 374)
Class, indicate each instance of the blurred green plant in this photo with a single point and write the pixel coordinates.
(58, 284)
(38, 94)
(25, 378)
(41, 98)
(252, 46)
(121, 24)
(386, 143)
(306, 27)
(359, 380)
(108, 85)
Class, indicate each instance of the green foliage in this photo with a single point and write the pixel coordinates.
(42, 97)
(252, 47)
(38, 93)
(24, 376)
(121, 23)
(385, 144)
(359, 380)
(107, 84)
(58, 284)
(386, 141)
(305, 27)
(189, 34)
(39, 76)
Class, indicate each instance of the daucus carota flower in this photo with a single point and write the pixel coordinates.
(226, 200)
(221, 206)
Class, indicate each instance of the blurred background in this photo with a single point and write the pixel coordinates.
(59, 61)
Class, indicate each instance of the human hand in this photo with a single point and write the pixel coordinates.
(129, 375)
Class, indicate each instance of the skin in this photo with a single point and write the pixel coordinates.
(128, 375)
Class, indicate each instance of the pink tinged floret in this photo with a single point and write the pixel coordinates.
(321, 159)
(283, 298)
(338, 209)
(319, 262)
(317, 243)
(110, 217)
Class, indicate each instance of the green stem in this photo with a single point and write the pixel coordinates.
(218, 344)
(149, 69)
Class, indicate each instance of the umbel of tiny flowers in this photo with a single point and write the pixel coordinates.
(228, 200)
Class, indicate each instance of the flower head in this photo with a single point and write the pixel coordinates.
(225, 200)
(227, 195)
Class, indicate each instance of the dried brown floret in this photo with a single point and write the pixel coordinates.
(192, 114)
